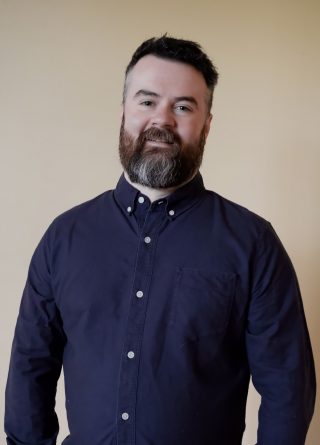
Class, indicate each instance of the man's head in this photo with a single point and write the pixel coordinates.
(166, 112)
(177, 50)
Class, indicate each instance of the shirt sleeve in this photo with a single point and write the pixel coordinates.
(278, 347)
(36, 359)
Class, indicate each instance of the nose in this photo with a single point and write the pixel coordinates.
(163, 117)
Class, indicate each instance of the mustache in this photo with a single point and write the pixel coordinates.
(159, 135)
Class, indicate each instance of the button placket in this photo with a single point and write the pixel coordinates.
(135, 326)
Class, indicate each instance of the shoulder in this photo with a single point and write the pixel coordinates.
(237, 218)
(85, 211)
(85, 214)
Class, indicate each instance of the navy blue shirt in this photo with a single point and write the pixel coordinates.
(159, 313)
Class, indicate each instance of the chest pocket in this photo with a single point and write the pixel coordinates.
(202, 303)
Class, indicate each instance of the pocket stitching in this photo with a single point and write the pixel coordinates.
(178, 297)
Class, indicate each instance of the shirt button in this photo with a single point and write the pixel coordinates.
(129, 209)
(139, 294)
(141, 199)
(125, 416)
(171, 212)
(130, 354)
(147, 240)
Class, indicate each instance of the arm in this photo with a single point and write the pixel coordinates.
(278, 347)
(36, 359)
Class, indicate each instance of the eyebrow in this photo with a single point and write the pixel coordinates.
(146, 93)
(190, 99)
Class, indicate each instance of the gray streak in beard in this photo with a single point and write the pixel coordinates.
(156, 170)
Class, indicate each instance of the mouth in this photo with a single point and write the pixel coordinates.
(158, 142)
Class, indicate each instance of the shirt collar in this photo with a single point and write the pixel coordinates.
(177, 202)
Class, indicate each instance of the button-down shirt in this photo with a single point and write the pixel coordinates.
(159, 313)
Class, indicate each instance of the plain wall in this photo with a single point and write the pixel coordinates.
(61, 74)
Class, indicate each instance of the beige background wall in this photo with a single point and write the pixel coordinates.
(61, 72)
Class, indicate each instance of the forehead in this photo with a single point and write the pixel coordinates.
(165, 77)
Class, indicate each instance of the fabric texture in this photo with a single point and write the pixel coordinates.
(159, 314)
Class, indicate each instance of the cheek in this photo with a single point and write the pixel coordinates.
(190, 134)
(134, 122)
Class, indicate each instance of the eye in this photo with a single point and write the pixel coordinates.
(183, 108)
(146, 103)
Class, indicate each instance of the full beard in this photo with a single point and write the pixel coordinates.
(159, 167)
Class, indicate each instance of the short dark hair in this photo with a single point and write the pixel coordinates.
(180, 50)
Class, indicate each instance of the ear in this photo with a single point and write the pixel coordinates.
(207, 125)
(121, 112)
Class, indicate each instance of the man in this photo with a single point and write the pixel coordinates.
(161, 298)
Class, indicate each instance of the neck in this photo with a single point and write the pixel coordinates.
(154, 194)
